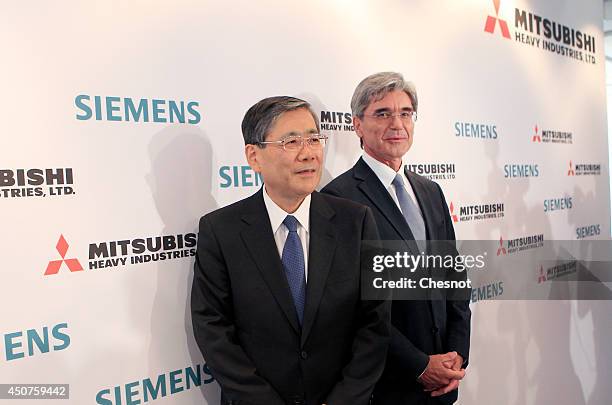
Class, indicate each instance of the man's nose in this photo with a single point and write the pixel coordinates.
(396, 122)
(306, 152)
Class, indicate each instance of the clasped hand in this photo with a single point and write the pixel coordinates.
(443, 373)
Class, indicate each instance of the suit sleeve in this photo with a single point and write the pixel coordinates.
(457, 309)
(214, 330)
(369, 347)
(408, 355)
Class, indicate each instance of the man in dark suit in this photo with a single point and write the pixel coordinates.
(429, 339)
(276, 301)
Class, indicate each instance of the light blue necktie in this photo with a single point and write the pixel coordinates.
(293, 263)
(410, 211)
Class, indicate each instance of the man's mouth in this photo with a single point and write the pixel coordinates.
(306, 171)
(398, 137)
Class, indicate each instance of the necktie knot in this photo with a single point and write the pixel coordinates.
(398, 181)
(291, 223)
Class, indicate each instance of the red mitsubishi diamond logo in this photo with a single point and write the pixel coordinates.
(54, 265)
(452, 209)
(491, 22)
(542, 276)
(501, 250)
(571, 171)
(536, 137)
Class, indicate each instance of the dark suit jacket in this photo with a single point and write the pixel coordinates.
(245, 322)
(419, 328)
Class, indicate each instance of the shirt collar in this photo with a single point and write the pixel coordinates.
(277, 214)
(384, 173)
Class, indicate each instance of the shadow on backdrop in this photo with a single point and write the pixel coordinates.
(180, 181)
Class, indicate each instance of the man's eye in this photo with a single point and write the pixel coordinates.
(291, 141)
(315, 140)
(383, 114)
(406, 114)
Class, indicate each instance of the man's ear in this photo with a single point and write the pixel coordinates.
(357, 125)
(250, 152)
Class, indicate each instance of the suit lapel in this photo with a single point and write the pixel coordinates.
(320, 255)
(370, 185)
(258, 237)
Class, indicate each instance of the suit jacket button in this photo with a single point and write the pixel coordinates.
(435, 329)
(304, 355)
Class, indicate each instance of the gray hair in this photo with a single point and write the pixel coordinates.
(260, 118)
(376, 87)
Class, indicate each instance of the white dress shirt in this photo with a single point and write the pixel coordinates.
(386, 175)
(277, 215)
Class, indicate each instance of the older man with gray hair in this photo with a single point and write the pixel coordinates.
(430, 339)
(276, 303)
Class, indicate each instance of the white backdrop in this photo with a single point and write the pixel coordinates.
(128, 324)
